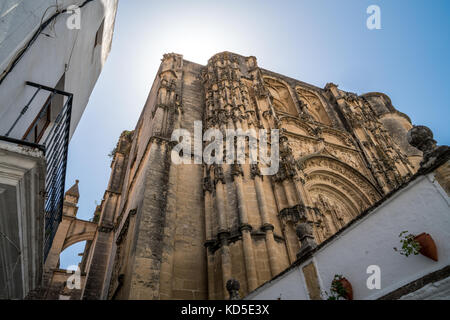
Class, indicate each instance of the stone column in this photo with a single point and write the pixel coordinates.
(278, 190)
(221, 206)
(223, 228)
(246, 228)
(208, 188)
(58, 242)
(266, 226)
(226, 260)
(166, 275)
(290, 196)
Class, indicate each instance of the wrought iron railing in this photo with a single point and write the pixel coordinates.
(55, 145)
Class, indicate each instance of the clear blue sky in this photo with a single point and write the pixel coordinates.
(316, 41)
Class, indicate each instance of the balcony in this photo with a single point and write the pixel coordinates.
(32, 179)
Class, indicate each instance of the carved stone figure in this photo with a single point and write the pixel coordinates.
(233, 287)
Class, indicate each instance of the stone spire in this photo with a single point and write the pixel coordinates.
(73, 191)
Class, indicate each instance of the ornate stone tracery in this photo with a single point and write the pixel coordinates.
(313, 105)
(333, 212)
(337, 159)
(323, 180)
(281, 96)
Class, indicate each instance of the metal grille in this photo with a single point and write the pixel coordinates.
(55, 144)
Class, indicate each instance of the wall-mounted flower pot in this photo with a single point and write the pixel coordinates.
(348, 288)
(427, 246)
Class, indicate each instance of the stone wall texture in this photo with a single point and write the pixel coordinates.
(182, 231)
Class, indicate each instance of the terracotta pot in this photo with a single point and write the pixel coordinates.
(348, 288)
(427, 246)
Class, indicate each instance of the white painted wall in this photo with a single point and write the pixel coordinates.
(22, 179)
(290, 286)
(423, 206)
(18, 18)
(64, 50)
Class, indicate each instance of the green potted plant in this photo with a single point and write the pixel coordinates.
(415, 244)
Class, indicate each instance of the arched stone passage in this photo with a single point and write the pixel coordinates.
(70, 231)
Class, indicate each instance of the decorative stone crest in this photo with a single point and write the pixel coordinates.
(421, 137)
(330, 85)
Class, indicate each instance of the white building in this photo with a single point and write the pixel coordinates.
(51, 55)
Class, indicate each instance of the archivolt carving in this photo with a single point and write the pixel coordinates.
(302, 146)
(314, 105)
(291, 123)
(347, 156)
(303, 141)
(334, 181)
(337, 137)
(327, 199)
(334, 209)
(320, 169)
(282, 99)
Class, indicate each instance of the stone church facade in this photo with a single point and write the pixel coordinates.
(168, 231)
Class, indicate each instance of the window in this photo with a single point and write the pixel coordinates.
(99, 35)
(38, 126)
(47, 114)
